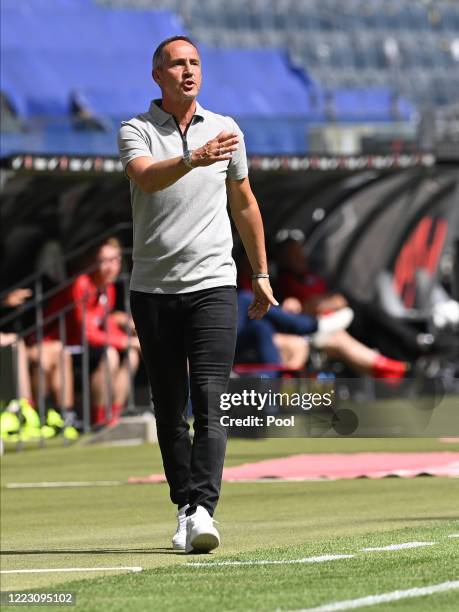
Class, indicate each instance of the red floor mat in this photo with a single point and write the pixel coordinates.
(335, 467)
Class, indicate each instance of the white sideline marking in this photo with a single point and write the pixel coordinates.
(71, 569)
(454, 535)
(372, 600)
(319, 559)
(398, 546)
(113, 483)
(57, 485)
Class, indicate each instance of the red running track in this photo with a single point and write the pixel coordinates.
(339, 466)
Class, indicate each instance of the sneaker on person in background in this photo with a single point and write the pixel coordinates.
(329, 324)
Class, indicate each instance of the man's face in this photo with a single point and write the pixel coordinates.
(292, 258)
(180, 75)
(109, 260)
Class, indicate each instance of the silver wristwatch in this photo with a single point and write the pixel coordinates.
(187, 159)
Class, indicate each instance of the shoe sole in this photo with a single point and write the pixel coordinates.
(178, 546)
(204, 542)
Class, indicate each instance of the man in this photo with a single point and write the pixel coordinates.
(113, 352)
(183, 163)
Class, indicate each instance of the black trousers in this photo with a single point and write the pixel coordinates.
(198, 327)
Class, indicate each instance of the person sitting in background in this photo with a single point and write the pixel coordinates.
(281, 338)
(313, 297)
(51, 359)
(272, 347)
(12, 300)
(113, 345)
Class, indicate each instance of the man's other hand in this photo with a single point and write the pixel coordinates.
(263, 298)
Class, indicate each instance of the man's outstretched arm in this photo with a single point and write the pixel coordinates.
(152, 175)
(246, 215)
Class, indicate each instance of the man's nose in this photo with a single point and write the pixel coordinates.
(188, 67)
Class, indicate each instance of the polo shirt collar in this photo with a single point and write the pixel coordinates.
(161, 117)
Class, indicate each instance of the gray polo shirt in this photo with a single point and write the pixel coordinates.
(182, 234)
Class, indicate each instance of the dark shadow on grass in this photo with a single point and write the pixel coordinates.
(94, 551)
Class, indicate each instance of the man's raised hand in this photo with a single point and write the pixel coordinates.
(217, 149)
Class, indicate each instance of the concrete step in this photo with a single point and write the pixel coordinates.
(129, 430)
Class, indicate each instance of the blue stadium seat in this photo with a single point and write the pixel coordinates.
(242, 92)
(39, 71)
(375, 47)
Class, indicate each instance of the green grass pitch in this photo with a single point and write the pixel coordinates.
(280, 522)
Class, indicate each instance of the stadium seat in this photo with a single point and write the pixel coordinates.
(333, 47)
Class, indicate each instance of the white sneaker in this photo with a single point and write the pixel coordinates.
(201, 534)
(330, 324)
(179, 539)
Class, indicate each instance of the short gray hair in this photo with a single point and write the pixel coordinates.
(158, 55)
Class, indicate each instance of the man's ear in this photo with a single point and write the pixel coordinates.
(156, 76)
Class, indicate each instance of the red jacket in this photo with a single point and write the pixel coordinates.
(310, 285)
(101, 326)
